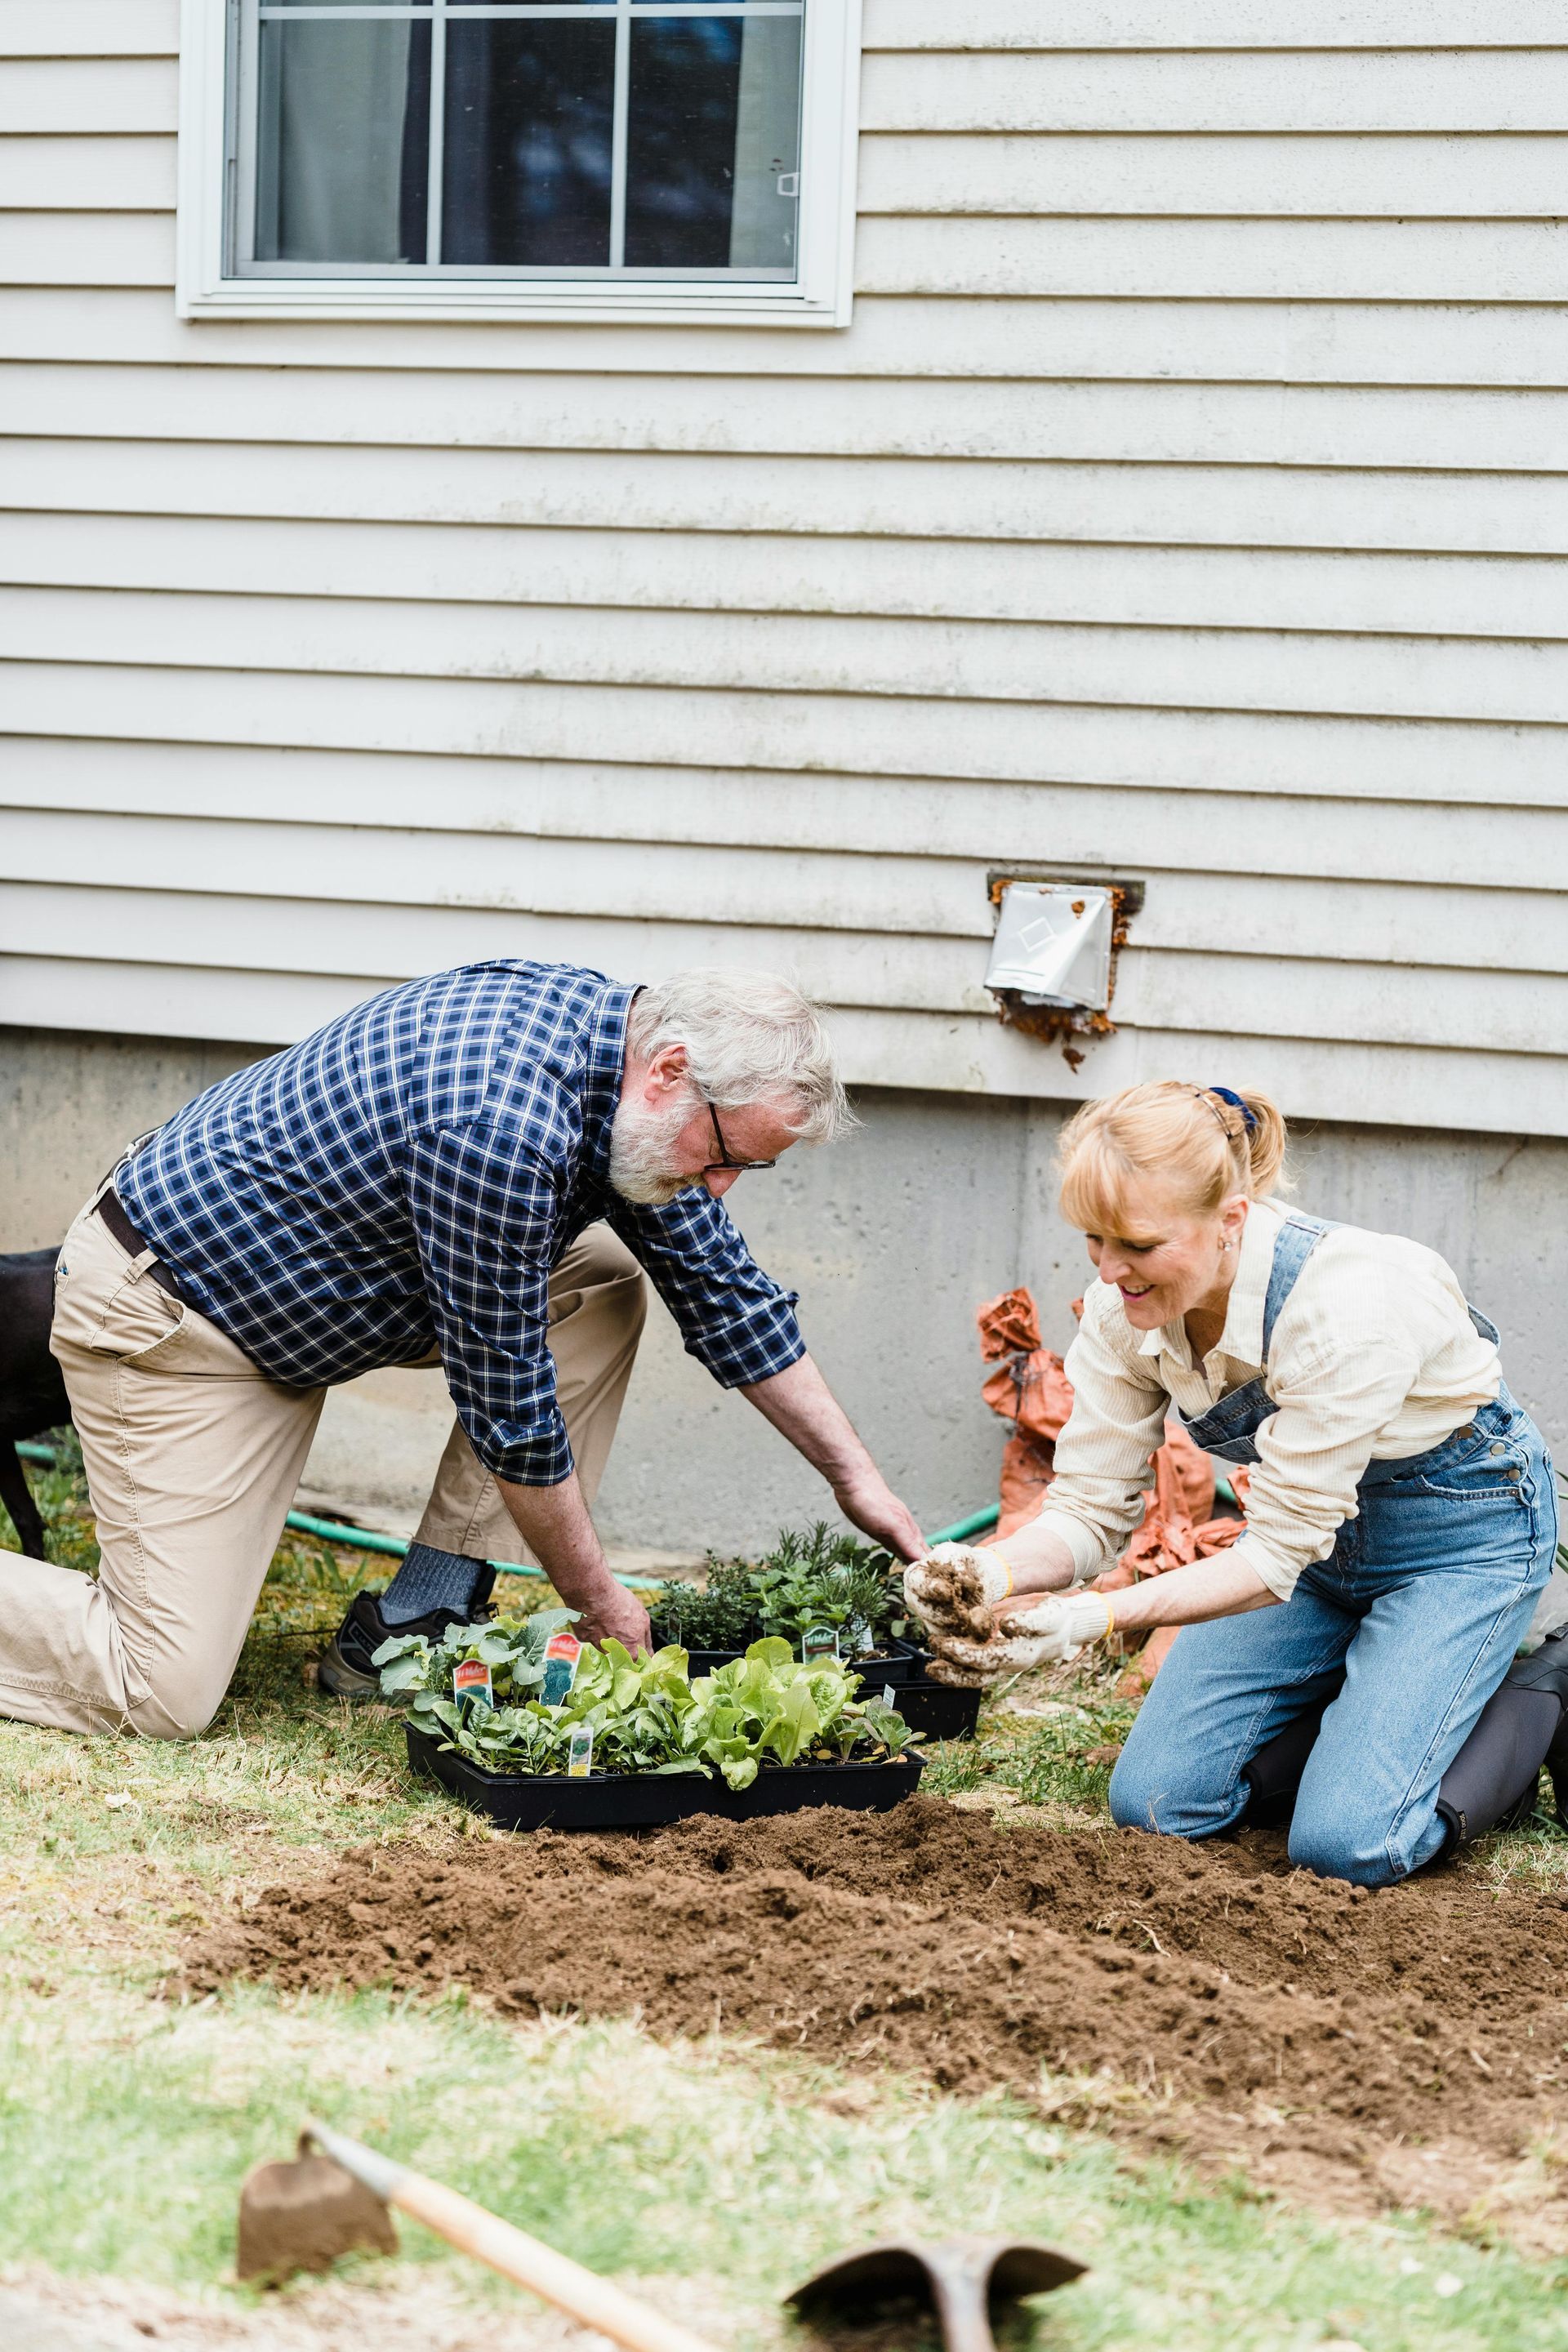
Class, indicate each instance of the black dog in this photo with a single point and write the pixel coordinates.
(32, 1393)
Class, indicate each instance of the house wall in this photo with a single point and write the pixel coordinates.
(1181, 502)
(1184, 502)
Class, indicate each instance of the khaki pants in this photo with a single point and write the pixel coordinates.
(193, 1456)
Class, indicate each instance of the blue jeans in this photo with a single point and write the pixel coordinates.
(1421, 1604)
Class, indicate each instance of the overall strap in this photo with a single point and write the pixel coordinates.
(1297, 1238)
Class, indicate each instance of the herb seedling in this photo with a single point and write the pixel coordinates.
(808, 1579)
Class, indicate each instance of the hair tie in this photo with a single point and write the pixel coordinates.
(1228, 1094)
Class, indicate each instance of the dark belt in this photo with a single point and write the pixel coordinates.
(126, 1235)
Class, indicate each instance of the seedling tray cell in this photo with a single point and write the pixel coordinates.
(899, 1662)
(939, 1709)
(625, 1800)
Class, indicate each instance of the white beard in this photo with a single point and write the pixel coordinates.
(639, 1155)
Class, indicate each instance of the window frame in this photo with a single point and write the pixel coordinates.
(821, 296)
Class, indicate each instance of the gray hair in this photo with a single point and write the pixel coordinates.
(750, 1036)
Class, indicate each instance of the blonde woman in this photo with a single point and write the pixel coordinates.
(1401, 1521)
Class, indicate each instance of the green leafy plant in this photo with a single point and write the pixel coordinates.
(815, 1577)
(764, 1711)
(512, 1647)
(823, 1578)
(722, 1616)
(768, 1707)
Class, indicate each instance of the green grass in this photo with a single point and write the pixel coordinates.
(733, 2168)
(127, 2121)
(1041, 1754)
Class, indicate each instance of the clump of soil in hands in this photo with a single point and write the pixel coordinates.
(1360, 2048)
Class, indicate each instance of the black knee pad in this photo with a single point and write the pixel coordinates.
(1491, 1782)
(1546, 1670)
(1274, 1775)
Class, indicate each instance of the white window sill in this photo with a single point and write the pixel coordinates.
(371, 299)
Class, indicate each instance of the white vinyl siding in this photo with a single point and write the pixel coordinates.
(1186, 502)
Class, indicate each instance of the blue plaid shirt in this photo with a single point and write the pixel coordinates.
(406, 1178)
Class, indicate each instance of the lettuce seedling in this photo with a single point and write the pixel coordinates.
(763, 1712)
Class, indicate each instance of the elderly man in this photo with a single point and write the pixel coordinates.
(466, 1170)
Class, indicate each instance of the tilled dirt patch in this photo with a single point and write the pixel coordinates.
(1406, 2047)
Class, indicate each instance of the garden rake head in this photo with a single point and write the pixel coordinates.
(962, 2280)
(302, 2215)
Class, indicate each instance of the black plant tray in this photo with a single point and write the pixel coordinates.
(626, 1800)
(939, 1710)
(898, 1663)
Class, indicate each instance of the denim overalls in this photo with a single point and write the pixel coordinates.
(1421, 1605)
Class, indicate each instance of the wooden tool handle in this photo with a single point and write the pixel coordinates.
(556, 2277)
(592, 2300)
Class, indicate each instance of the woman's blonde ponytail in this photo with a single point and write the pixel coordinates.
(1265, 1144)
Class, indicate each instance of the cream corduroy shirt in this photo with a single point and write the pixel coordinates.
(1374, 1358)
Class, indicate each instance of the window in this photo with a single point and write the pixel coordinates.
(606, 159)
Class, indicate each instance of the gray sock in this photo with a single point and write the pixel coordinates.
(430, 1580)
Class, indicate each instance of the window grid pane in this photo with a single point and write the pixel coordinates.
(436, 179)
(685, 139)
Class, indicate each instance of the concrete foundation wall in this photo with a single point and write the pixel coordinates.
(892, 1239)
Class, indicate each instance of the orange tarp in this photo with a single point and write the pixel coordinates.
(1030, 1388)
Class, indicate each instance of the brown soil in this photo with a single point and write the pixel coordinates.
(1407, 2046)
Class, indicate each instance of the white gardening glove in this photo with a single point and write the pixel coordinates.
(1047, 1629)
(956, 1586)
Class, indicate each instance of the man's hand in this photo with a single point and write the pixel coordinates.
(620, 1616)
(870, 1504)
(555, 1524)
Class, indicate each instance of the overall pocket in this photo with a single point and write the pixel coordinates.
(1480, 1515)
(1492, 1466)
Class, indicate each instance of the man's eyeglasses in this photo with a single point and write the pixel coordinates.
(725, 1160)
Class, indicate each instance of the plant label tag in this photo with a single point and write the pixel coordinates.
(471, 1680)
(819, 1642)
(887, 1694)
(561, 1653)
(867, 1640)
(580, 1753)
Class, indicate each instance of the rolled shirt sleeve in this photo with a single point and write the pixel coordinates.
(1104, 1457)
(733, 1318)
